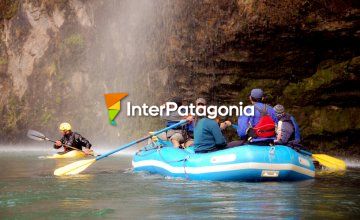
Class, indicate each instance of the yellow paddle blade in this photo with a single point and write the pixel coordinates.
(74, 168)
(330, 162)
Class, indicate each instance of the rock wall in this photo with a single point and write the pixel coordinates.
(36, 41)
(304, 54)
(57, 57)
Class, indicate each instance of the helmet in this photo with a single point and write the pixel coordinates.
(65, 126)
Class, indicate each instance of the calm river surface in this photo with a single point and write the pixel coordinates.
(108, 189)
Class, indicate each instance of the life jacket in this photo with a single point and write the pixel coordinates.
(265, 128)
(287, 118)
(295, 136)
(75, 140)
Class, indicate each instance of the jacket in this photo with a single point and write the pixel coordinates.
(287, 130)
(75, 140)
(244, 122)
(208, 136)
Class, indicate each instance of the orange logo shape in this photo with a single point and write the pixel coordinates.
(113, 105)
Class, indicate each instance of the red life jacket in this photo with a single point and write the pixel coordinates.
(265, 128)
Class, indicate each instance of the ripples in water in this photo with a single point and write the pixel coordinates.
(28, 190)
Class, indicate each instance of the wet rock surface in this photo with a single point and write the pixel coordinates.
(305, 55)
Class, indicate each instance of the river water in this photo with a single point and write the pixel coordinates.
(109, 189)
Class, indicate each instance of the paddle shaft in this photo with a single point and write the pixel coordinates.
(298, 147)
(47, 139)
(141, 139)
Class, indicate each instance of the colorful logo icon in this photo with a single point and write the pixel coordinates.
(113, 104)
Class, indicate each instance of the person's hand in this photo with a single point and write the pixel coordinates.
(227, 123)
(58, 143)
(190, 118)
(88, 151)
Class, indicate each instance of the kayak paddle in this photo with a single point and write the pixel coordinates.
(81, 165)
(35, 135)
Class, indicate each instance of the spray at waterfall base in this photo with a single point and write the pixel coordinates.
(211, 111)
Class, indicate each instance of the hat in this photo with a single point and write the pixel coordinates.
(200, 101)
(279, 109)
(257, 93)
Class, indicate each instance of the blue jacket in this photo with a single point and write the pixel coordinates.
(207, 135)
(297, 130)
(244, 122)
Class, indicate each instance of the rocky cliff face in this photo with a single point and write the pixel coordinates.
(304, 54)
(58, 58)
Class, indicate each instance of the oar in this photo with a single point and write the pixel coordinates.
(79, 166)
(35, 135)
(327, 161)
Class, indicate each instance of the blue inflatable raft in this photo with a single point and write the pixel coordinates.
(243, 163)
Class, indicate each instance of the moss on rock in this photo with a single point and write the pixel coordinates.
(329, 119)
(74, 40)
(310, 88)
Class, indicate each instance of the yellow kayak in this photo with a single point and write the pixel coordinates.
(71, 154)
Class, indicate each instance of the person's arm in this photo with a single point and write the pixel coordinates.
(296, 130)
(216, 132)
(243, 123)
(83, 141)
(278, 132)
(272, 114)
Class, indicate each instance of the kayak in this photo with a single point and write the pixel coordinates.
(71, 154)
(242, 163)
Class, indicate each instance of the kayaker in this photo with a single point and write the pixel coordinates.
(287, 129)
(261, 126)
(72, 139)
